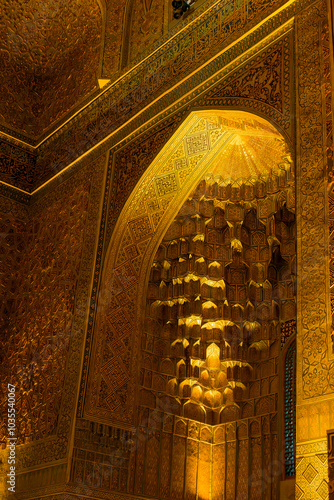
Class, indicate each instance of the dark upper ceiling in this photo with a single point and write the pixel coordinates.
(49, 58)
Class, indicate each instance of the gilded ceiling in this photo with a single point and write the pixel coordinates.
(245, 145)
(251, 147)
(49, 57)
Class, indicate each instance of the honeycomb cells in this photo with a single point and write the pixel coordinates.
(221, 283)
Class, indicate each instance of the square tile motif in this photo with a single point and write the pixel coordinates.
(197, 143)
(141, 228)
(323, 490)
(299, 493)
(309, 473)
(166, 184)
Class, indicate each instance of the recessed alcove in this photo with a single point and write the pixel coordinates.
(219, 288)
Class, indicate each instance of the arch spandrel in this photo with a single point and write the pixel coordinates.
(154, 202)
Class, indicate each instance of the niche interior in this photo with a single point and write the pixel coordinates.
(221, 289)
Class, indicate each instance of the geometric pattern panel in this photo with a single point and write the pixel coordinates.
(325, 38)
(311, 473)
(313, 333)
(313, 347)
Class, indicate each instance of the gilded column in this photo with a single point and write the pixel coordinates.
(315, 398)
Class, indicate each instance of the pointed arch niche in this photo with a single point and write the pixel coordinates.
(200, 276)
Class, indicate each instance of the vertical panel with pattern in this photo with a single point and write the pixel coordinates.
(230, 470)
(152, 464)
(191, 469)
(330, 441)
(218, 490)
(132, 466)
(140, 461)
(165, 463)
(276, 471)
(256, 469)
(290, 410)
(266, 477)
(204, 471)
(179, 452)
(242, 471)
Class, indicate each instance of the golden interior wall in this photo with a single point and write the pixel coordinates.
(287, 83)
(44, 310)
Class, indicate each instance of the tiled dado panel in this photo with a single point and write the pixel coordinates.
(168, 457)
(312, 471)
